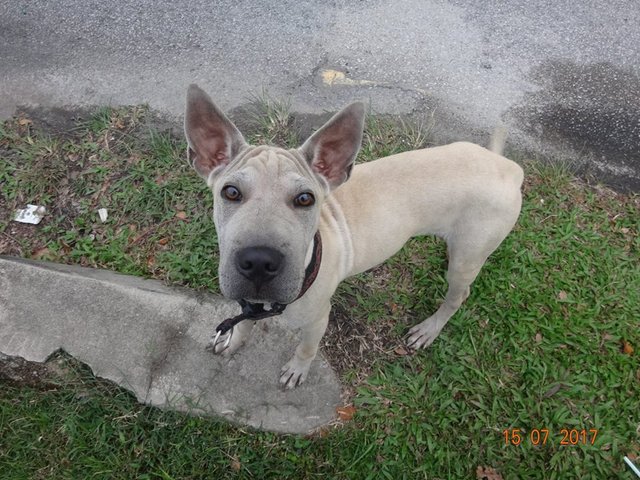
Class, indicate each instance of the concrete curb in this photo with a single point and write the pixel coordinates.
(150, 339)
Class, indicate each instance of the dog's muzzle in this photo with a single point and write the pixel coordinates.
(261, 262)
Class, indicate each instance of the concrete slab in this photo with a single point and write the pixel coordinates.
(150, 339)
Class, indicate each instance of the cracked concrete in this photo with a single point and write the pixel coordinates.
(150, 339)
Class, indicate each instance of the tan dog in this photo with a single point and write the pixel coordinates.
(270, 202)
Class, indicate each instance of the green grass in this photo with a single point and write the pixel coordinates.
(538, 344)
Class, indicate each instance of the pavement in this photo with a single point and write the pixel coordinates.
(565, 79)
(151, 339)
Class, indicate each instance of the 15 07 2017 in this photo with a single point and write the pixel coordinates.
(540, 436)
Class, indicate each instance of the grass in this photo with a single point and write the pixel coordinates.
(544, 342)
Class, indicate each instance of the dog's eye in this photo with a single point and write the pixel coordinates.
(231, 193)
(305, 199)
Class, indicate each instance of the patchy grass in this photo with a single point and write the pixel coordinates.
(548, 339)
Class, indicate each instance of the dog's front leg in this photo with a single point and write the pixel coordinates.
(240, 334)
(295, 371)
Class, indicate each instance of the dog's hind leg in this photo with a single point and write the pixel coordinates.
(466, 258)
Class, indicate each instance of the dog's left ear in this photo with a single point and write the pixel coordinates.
(332, 150)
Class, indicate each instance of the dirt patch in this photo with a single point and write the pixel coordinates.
(16, 371)
(352, 344)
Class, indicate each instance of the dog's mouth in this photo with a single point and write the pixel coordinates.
(266, 294)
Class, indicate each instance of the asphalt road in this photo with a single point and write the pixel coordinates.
(563, 76)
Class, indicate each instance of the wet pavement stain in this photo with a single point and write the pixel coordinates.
(593, 109)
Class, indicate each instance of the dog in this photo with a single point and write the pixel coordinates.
(274, 206)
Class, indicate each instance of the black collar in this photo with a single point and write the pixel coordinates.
(256, 311)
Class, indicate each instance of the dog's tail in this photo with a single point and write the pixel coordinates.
(498, 139)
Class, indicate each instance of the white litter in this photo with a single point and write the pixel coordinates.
(632, 466)
(32, 214)
(103, 214)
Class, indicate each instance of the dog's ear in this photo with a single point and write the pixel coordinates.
(332, 150)
(213, 139)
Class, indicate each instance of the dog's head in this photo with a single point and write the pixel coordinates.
(267, 199)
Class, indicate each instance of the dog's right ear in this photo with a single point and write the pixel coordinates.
(213, 139)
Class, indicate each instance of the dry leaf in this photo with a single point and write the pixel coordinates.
(163, 240)
(562, 295)
(552, 391)
(624, 230)
(161, 179)
(487, 473)
(626, 348)
(39, 253)
(235, 464)
(182, 215)
(538, 337)
(400, 350)
(24, 121)
(346, 413)
(151, 261)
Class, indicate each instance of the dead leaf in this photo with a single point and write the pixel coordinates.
(322, 432)
(346, 413)
(236, 466)
(151, 261)
(627, 348)
(39, 253)
(161, 179)
(553, 390)
(538, 337)
(624, 230)
(163, 240)
(562, 295)
(182, 215)
(487, 473)
(400, 350)
(24, 121)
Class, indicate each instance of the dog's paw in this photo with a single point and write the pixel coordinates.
(294, 373)
(423, 334)
(225, 344)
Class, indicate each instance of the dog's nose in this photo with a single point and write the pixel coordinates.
(259, 264)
